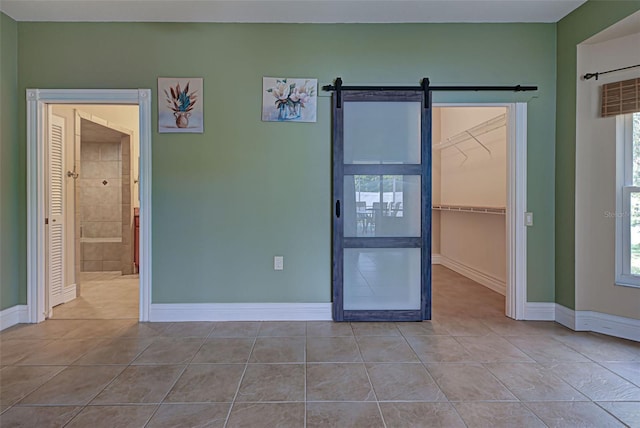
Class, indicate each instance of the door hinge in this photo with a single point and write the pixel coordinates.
(46, 221)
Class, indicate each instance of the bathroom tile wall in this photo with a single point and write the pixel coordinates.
(101, 205)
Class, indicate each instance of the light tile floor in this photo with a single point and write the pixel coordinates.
(470, 366)
(104, 295)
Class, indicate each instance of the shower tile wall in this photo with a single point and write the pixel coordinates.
(101, 206)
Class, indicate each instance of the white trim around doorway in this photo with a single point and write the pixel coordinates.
(37, 101)
(516, 284)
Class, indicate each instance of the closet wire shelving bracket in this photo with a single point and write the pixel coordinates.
(472, 133)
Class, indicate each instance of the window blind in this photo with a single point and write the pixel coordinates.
(621, 97)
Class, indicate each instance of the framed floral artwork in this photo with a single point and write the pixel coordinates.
(287, 99)
(180, 101)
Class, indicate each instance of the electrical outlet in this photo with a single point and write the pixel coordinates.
(528, 219)
(278, 262)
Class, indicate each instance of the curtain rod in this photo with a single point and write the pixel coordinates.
(592, 75)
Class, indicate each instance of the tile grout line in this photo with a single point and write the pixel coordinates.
(364, 364)
(606, 410)
(244, 371)
(177, 377)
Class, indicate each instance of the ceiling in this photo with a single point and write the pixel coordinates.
(299, 11)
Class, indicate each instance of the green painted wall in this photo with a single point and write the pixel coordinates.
(13, 283)
(226, 201)
(584, 22)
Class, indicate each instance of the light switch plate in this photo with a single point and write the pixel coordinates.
(528, 219)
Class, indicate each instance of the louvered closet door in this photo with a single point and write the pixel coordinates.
(55, 215)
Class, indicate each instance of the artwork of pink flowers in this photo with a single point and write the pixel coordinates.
(289, 99)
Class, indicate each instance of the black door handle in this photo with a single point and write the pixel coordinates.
(338, 208)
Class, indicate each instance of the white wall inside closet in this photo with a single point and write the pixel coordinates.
(469, 192)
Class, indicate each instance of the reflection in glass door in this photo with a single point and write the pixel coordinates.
(382, 185)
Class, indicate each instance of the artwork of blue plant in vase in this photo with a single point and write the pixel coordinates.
(287, 99)
(181, 110)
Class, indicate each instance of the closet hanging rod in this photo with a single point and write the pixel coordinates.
(473, 132)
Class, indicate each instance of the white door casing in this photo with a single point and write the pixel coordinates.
(38, 101)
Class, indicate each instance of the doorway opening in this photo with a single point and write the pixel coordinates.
(479, 194)
(111, 236)
(100, 174)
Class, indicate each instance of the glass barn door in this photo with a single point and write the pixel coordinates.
(382, 197)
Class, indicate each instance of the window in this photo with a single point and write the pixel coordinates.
(628, 201)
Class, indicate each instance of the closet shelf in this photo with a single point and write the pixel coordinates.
(473, 132)
(471, 209)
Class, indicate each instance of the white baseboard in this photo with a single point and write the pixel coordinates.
(611, 325)
(13, 315)
(240, 312)
(436, 259)
(487, 280)
(566, 316)
(539, 311)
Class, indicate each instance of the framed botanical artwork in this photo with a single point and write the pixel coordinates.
(180, 101)
(286, 99)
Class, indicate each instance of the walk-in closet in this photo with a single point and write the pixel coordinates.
(470, 193)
